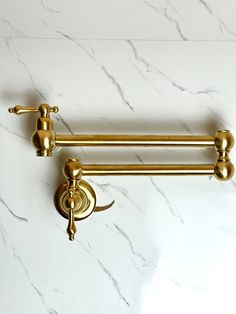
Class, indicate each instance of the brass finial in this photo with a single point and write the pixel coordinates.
(223, 168)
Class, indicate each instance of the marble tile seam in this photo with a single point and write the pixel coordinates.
(120, 39)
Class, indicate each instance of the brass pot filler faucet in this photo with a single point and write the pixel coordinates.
(76, 199)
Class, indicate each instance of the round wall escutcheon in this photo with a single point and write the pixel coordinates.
(84, 197)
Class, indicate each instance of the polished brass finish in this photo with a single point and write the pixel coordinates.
(70, 204)
(134, 140)
(84, 200)
(223, 168)
(148, 170)
(76, 199)
(44, 109)
(43, 138)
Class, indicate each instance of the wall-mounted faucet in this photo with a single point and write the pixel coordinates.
(76, 200)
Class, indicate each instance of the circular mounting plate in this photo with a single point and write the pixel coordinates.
(85, 199)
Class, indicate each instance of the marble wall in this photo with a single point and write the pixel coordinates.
(168, 245)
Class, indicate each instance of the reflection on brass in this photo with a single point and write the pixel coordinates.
(45, 139)
(76, 199)
(147, 170)
(134, 140)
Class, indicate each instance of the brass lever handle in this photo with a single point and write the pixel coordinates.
(71, 228)
(70, 204)
(21, 109)
(76, 199)
(42, 108)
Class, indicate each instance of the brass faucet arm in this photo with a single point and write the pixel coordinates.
(76, 200)
(134, 140)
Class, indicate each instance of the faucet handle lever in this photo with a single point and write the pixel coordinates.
(21, 109)
(70, 204)
(44, 109)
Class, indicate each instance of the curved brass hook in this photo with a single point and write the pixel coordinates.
(101, 208)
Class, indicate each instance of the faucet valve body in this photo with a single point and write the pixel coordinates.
(44, 136)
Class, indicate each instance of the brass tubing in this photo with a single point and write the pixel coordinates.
(134, 140)
(149, 170)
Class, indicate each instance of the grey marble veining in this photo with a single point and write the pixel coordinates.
(168, 245)
(143, 19)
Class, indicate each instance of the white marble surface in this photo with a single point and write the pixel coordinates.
(109, 19)
(169, 244)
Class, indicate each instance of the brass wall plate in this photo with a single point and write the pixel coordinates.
(84, 197)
